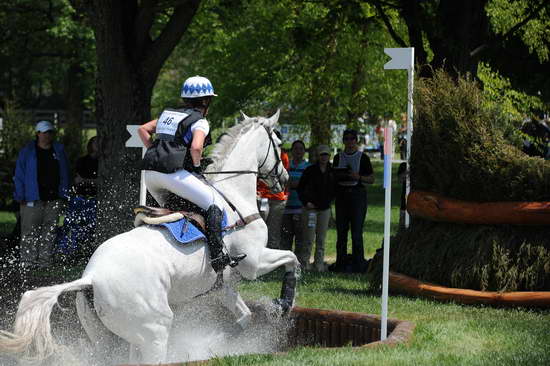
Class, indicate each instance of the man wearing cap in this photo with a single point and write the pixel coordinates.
(353, 172)
(41, 182)
(316, 192)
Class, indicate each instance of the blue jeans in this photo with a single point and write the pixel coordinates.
(351, 211)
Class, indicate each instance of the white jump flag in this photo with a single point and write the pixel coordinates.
(135, 141)
(402, 59)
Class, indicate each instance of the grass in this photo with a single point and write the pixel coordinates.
(446, 333)
(7, 222)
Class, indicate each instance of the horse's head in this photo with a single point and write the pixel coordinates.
(270, 167)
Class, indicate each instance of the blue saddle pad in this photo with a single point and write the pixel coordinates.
(185, 232)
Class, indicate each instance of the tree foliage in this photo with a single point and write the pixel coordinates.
(511, 36)
(529, 19)
(320, 61)
(39, 43)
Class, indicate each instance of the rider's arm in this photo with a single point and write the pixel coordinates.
(197, 146)
(145, 131)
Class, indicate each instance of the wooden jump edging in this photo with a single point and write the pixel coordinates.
(333, 328)
(413, 286)
(436, 207)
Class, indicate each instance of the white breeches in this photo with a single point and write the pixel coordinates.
(183, 184)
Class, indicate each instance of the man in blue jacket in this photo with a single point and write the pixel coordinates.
(41, 184)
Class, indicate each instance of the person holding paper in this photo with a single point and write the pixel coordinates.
(353, 170)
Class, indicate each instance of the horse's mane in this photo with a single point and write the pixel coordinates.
(227, 142)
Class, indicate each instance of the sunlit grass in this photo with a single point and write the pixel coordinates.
(7, 222)
(446, 333)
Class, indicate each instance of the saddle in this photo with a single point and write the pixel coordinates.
(159, 215)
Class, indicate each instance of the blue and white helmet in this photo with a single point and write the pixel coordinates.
(197, 87)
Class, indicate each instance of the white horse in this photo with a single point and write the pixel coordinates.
(138, 276)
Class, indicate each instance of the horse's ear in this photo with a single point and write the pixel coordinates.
(274, 118)
(244, 115)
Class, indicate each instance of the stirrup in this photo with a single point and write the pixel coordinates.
(224, 260)
(219, 263)
(236, 259)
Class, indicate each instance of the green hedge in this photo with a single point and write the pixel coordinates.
(459, 150)
(479, 257)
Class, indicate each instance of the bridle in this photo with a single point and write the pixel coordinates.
(275, 172)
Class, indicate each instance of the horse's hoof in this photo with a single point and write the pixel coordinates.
(284, 305)
(244, 321)
(235, 330)
(234, 261)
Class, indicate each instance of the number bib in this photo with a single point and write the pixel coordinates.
(167, 123)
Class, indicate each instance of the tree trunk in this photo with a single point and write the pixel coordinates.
(453, 28)
(128, 64)
(73, 133)
(122, 98)
(321, 98)
(411, 12)
(466, 27)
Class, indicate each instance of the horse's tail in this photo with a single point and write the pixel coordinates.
(32, 338)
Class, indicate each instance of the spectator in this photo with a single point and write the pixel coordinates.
(353, 170)
(402, 137)
(316, 192)
(86, 171)
(276, 207)
(41, 182)
(379, 130)
(292, 225)
(402, 177)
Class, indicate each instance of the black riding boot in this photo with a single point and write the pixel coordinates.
(218, 256)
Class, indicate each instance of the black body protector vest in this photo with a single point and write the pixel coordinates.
(173, 138)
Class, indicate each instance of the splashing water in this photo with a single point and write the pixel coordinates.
(202, 329)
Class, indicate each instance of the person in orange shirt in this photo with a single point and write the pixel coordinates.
(276, 202)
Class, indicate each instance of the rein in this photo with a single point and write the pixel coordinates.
(232, 172)
(248, 219)
(277, 173)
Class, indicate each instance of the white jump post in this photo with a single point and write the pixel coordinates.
(402, 58)
(135, 141)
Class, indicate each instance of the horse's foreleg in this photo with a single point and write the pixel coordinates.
(233, 301)
(270, 259)
(155, 352)
(134, 354)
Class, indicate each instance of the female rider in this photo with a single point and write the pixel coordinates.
(172, 161)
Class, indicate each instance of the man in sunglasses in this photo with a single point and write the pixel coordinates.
(41, 183)
(353, 171)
